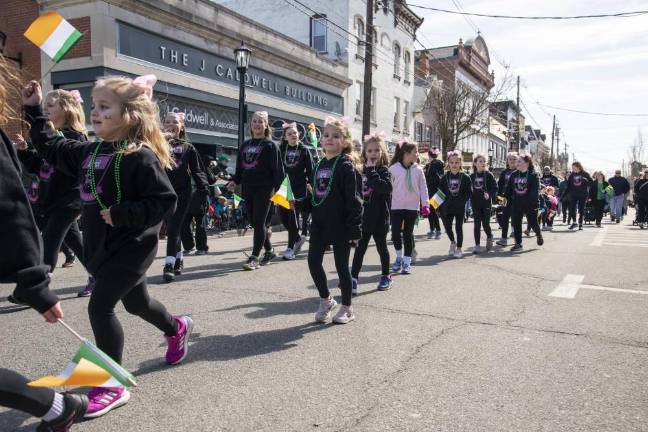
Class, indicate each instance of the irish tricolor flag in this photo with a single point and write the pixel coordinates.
(237, 200)
(52, 34)
(437, 199)
(90, 367)
(284, 195)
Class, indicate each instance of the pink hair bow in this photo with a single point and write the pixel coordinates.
(292, 125)
(376, 135)
(77, 96)
(401, 142)
(180, 115)
(345, 120)
(145, 84)
(454, 153)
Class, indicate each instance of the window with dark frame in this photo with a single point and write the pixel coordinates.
(319, 33)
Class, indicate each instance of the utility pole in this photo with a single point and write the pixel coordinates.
(519, 135)
(557, 127)
(553, 137)
(368, 70)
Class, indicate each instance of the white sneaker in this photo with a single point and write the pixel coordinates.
(344, 315)
(354, 286)
(326, 306)
(288, 254)
(438, 235)
(414, 255)
(453, 248)
(478, 249)
(299, 244)
(458, 253)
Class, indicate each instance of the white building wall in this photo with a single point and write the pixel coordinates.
(289, 20)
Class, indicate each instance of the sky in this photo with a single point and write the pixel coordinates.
(590, 65)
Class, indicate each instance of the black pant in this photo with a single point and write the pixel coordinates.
(402, 222)
(575, 203)
(566, 210)
(201, 234)
(599, 207)
(532, 220)
(174, 223)
(341, 253)
(257, 204)
(361, 249)
(16, 394)
(433, 218)
(303, 211)
(447, 224)
(505, 221)
(482, 217)
(289, 220)
(69, 253)
(111, 287)
(642, 210)
(61, 224)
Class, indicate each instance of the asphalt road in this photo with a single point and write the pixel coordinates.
(549, 339)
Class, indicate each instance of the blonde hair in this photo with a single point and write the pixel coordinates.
(383, 160)
(347, 141)
(263, 115)
(74, 116)
(181, 119)
(140, 117)
(9, 90)
(454, 154)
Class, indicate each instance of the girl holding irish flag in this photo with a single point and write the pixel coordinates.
(456, 187)
(126, 194)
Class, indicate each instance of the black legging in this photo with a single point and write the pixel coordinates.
(447, 224)
(61, 224)
(16, 394)
(289, 220)
(174, 223)
(482, 216)
(112, 286)
(303, 211)
(532, 220)
(642, 210)
(257, 204)
(505, 221)
(201, 234)
(577, 202)
(565, 210)
(69, 253)
(341, 253)
(402, 223)
(361, 249)
(433, 218)
(599, 207)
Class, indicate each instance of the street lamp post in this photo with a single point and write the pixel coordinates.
(242, 57)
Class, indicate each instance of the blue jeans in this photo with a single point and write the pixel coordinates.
(616, 206)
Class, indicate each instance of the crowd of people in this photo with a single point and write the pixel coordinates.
(139, 173)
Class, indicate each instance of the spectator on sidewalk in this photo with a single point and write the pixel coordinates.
(641, 193)
(598, 196)
(621, 188)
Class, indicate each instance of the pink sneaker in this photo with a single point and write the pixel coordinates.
(178, 344)
(104, 399)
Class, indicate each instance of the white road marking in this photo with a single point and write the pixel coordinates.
(569, 286)
(598, 240)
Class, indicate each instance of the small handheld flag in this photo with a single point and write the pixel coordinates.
(437, 199)
(284, 195)
(90, 367)
(237, 200)
(220, 182)
(53, 35)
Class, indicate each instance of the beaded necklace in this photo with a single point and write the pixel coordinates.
(91, 173)
(314, 201)
(286, 154)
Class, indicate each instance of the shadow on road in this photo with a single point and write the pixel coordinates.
(12, 421)
(268, 310)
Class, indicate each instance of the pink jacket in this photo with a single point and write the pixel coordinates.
(402, 197)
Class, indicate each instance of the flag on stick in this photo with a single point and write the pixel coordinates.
(311, 135)
(437, 199)
(237, 200)
(90, 367)
(53, 35)
(284, 195)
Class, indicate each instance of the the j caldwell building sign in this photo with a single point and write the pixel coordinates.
(134, 42)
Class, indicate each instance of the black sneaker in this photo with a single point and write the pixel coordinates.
(267, 257)
(179, 265)
(251, 264)
(69, 261)
(540, 240)
(75, 408)
(15, 300)
(580, 227)
(516, 247)
(201, 252)
(168, 273)
(572, 226)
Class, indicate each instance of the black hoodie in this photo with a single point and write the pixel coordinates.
(550, 180)
(147, 198)
(259, 164)
(433, 173)
(502, 181)
(376, 193)
(54, 189)
(187, 166)
(457, 189)
(338, 216)
(298, 165)
(523, 190)
(578, 184)
(483, 183)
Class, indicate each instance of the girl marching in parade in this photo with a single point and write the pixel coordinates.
(522, 194)
(186, 167)
(298, 164)
(484, 188)
(126, 194)
(58, 193)
(260, 173)
(456, 186)
(410, 194)
(376, 193)
(502, 184)
(337, 217)
(578, 191)
(433, 173)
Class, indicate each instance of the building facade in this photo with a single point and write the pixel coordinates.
(188, 45)
(506, 112)
(498, 144)
(336, 30)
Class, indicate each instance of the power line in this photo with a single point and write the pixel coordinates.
(592, 112)
(520, 17)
